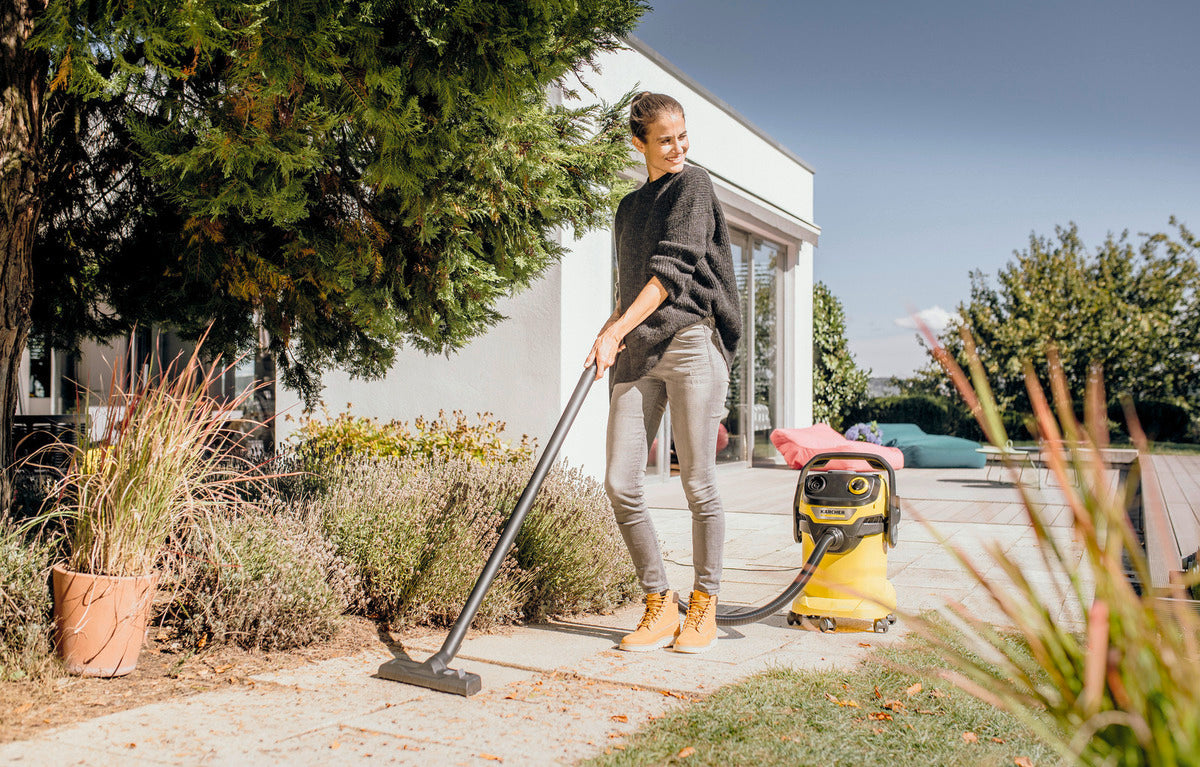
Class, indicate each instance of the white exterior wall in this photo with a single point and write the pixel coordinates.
(524, 370)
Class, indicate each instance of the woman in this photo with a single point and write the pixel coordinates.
(670, 339)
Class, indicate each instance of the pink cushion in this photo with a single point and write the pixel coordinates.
(798, 446)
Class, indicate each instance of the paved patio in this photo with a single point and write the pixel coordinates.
(559, 692)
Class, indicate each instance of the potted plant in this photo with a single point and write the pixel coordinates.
(160, 459)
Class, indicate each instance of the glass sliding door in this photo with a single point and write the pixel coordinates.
(753, 400)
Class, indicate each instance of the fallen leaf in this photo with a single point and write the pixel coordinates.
(937, 693)
(223, 669)
(911, 691)
(1023, 761)
(335, 744)
(848, 703)
(930, 713)
(686, 752)
(880, 716)
(491, 757)
(864, 644)
(896, 706)
(970, 737)
(619, 718)
(997, 740)
(131, 745)
(21, 709)
(878, 694)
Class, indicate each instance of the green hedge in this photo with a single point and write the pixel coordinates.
(1161, 420)
(930, 413)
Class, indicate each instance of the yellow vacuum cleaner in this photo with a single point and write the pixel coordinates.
(861, 512)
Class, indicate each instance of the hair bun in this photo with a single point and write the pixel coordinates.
(646, 108)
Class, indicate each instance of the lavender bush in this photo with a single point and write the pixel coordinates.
(416, 532)
(258, 576)
(25, 623)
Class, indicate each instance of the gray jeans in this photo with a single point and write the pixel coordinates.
(693, 378)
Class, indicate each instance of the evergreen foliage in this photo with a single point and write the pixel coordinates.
(1130, 308)
(348, 176)
(838, 384)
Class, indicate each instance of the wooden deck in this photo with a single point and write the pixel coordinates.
(1171, 514)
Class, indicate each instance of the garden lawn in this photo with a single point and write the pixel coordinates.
(872, 715)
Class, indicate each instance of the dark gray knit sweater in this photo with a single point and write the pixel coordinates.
(673, 228)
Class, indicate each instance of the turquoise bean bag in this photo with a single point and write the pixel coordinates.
(931, 451)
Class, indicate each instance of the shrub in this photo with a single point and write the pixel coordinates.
(417, 532)
(348, 435)
(258, 578)
(26, 627)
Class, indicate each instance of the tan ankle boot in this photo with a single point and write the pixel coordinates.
(699, 632)
(659, 625)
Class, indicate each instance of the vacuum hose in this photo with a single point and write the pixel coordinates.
(832, 537)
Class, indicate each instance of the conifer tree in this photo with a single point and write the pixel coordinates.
(347, 176)
(839, 385)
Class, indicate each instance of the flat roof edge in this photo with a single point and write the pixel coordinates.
(644, 49)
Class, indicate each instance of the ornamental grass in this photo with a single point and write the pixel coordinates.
(165, 456)
(1121, 686)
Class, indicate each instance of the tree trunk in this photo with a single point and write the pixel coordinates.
(22, 86)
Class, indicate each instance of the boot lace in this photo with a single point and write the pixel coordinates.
(654, 606)
(698, 608)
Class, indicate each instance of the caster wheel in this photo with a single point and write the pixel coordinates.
(891, 618)
(827, 624)
(882, 625)
(812, 618)
(793, 619)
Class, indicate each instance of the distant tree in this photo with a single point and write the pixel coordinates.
(1131, 308)
(347, 176)
(838, 383)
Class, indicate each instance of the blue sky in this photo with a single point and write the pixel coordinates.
(944, 133)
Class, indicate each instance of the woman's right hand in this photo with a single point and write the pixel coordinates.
(604, 352)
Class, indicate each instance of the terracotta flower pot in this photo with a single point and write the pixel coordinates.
(100, 620)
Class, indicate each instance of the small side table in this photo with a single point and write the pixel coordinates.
(1023, 457)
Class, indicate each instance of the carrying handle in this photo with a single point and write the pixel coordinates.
(892, 522)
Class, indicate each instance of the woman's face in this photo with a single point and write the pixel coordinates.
(666, 145)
